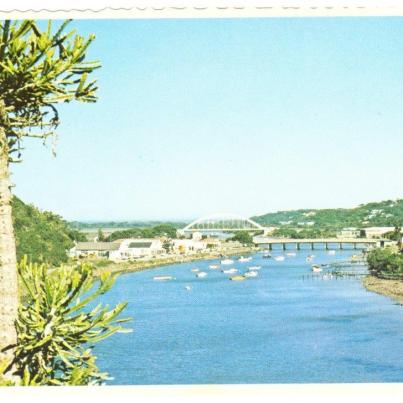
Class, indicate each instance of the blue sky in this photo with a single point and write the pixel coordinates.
(239, 116)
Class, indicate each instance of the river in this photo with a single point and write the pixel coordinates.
(277, 328)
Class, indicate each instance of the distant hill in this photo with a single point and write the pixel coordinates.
(41, 235)
(327, 222)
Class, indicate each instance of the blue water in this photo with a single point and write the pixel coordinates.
(276, 328)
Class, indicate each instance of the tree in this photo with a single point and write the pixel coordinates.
(58, 325)
(39, 68)
(243, 237)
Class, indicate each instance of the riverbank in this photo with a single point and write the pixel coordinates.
(145, 264)
(388, 288)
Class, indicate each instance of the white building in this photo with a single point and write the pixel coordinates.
(188, 245)
(135, 248)
(93, 249)
(349, 233)
(377, 232)
(122, 249)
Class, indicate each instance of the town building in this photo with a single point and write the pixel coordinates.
(186, 246)
(350, 232)
(376, 232)
(122, 249)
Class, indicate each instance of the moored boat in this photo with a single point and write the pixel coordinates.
(291, 254)
(227, 261)
(244, 259)
(214, 266)
(253, 268)
(162, 278)
(201, 274)
(195, 270)
(230, 271)
(279, 258)
(237, 278)
(316, 268)
(331, 252)
(266, 256)
(251, 274)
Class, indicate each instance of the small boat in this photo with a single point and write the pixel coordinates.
(230, 271)
(309, 258)
(266, 256)
(331, 252)
(316, 268)
(291, 254)
(163, 278)
(227, 261)
(251, 274)
(188, 287)
(237, 278)
(214, 266)
(244, 259)
(279, 258)
(201, 274)
(195, 270)
(253, 268)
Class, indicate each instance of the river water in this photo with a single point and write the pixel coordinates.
(277, 328)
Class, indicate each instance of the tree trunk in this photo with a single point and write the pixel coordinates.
(8, 260)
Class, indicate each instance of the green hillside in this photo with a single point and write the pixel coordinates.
(326, 222)
(41, 235)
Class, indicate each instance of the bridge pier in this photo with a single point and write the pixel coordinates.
(340, 246)
(298, 246)
(355, 245)
(284, 246)
(326, 246)
(312, 246)
(270, 247)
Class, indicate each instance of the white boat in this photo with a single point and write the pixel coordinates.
(331, 252)
(230, 271)
(291, 254)
(188, 287)
(253, 268)
(214, 266)
(251, 274)
(316, 268)
(266, 256)
(279, 258)
(195, 270)
(163, 278)
(244, 259)
(227, 261)
(309, 258)
(201, 274)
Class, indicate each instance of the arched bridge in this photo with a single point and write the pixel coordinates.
(223, 222)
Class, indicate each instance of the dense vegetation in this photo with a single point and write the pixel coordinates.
(41, 235)
(244, 237)
(81, 225)
(56, 348)
(167, 230)
(327, 222)
(386, 263)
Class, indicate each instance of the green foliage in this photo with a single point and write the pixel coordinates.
(42, 236)
(385, 262)
(167, 230)
(243, 237)
(58, 325)
(327, 222)
(38, 69)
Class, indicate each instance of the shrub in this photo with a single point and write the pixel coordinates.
(56, 327)
(385, 261)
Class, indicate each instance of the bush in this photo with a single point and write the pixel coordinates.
(56, 327)
(385, 262)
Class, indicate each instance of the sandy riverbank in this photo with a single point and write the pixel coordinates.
(389, 288)
(140, 265)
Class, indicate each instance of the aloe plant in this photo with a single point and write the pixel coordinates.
(57, 326)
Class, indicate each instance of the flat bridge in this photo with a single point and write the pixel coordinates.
(329, 243)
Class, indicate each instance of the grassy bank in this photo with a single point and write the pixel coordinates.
(140, 265)
(389, 288)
